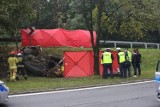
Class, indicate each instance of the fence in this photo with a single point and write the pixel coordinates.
(129, 44)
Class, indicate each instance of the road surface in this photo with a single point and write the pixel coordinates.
(129, 95)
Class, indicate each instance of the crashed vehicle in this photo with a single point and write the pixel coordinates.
(4, 91)
(36, 64)
(157, 78)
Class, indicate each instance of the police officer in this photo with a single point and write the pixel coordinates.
(20, 65)
(128, 55)
(121, 61)
(12, 61)
(107, 59)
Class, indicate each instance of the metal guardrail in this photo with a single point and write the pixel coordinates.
(145, 44)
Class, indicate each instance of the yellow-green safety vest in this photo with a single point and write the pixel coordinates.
(121, 57)
(129, 57)
(106, 58)
(19, 59)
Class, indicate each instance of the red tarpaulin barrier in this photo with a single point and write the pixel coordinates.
(57, 37)
(80, 64)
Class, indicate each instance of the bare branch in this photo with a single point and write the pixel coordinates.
(110, 16)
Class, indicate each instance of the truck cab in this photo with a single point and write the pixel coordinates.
(157, 79)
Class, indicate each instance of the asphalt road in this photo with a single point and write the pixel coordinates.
(132, 95)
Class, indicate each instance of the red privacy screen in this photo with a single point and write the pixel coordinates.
(57, 37)
(80, 64)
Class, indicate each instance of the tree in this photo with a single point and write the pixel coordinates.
(86, 7)
(14, 15)
(121, 19)
(50, 14)
(133, 20)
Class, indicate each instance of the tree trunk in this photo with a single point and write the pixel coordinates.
(89, 24)
(6, 49)
(99, 30)
(96, 61)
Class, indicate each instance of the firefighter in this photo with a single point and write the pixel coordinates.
(107, 59)
(121, 61)
(20, 67)
(12, 61)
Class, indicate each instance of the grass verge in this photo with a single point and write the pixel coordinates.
(37, 84)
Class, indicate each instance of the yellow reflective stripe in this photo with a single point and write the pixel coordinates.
(20, 65)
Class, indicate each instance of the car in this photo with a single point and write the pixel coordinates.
(4, 91)
(157, 78)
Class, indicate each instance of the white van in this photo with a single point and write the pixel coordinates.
(157, 78)
(4, 91)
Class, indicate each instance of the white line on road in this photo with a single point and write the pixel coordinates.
(71, 90)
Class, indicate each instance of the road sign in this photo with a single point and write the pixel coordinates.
(30, 30)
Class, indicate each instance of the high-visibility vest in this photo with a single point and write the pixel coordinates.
(107, 58)
(20, 64)
(19, 59)
(121, 57)
(129, 56)
(12, 62)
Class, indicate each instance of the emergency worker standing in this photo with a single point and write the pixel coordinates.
(20, 67)
(107, 59)
(136, 60)
(128, 55)
(12, 61)
(121, 61)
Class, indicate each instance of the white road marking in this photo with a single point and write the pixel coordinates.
(81, 89)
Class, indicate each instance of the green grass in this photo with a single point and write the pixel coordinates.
(34, 84)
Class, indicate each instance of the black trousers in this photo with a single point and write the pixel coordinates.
(128, 71)
(128, 68)
(21, 71)
(107, 68)
(122, 70)
(136, 66)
